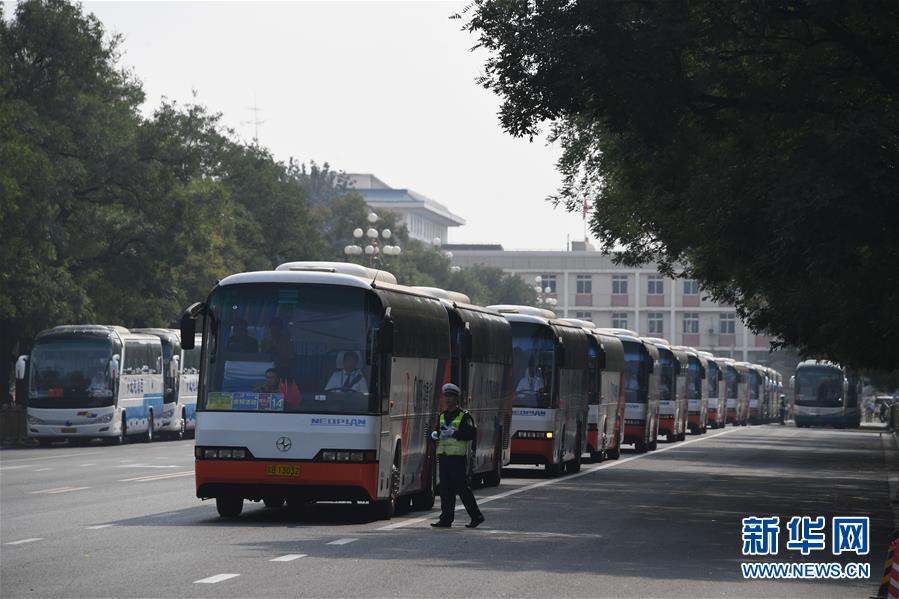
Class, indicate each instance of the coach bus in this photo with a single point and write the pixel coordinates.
(757, 393)
(731, 396)
(481, 365)
(319, 381)
(641, 394)
(716, 410)
(672, 390)
(551, 378)
(825, 394)
(743, 392)
(87, 381)
(697, 401)
(180, 368)
(605, 418)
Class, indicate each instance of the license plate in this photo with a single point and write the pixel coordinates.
(70, 429)
(282, 470)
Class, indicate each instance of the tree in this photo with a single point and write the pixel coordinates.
(752, 146)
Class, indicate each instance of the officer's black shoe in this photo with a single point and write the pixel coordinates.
(441, 524)
(476, 522)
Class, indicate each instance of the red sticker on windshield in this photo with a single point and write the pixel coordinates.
(54, 392)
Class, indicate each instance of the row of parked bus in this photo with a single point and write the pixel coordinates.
(89, 381)
(321, 382)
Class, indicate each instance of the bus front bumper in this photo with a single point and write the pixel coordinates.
(532, 451)
(256, 479)
(55, 431)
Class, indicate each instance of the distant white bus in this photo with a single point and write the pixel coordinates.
(87, 381)
(825, 394)
(181, 376)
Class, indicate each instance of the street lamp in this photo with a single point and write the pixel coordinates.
(373, 248)
(543, 292)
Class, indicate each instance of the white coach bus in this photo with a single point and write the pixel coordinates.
(320, 381)
(87, 381)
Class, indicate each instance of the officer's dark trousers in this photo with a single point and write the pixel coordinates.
(454, 482)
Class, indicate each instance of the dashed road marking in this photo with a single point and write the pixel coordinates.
(150, 478)
(564, 479)
(288, 558)
(47, 457)
(23, 541)
(86, 465)
(342, 541)
(42, 469)
(216, 578)
(99, 526)
(4, 468)
(58, 490)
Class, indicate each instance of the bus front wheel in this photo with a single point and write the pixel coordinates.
(151, 433)
(614, 453)
(229, 506)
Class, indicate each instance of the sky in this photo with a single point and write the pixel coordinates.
(372, 87)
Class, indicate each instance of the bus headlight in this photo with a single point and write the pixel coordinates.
(346, 455)
(105, 418)
(33, 420)
(534, 435)
(222, 453)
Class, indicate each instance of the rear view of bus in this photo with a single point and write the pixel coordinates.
(757, 394)
(824, 395)
(672, 390)
(697, 403)
(611, 401)
(731, 389)
(319, 382)
(550, 374)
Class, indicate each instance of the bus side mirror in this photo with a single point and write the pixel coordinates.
(467, 341)
(189, 324)
(114, 368)
(560, 353)
(175, 366)
(21, 367)
(385, 337)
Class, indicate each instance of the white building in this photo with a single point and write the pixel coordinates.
(588, 285)
(425, 219)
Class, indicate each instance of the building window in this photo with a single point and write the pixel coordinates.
(619, 320)
(727, 323)
(584, 316)
(691, 287)
(619, 285)
(655, 285)
(584, 284)
(656, 320)
(691, 323)
(548, 281)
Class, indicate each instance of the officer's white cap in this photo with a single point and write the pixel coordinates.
(451, 389)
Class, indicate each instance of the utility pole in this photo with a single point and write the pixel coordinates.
(255, 121)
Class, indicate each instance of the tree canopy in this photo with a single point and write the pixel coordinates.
(112, 217)
(750, 145)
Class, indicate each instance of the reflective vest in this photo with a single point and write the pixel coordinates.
(451, 446)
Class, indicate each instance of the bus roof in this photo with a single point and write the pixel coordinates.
(444, 294)
(346, 268)
(505, 309)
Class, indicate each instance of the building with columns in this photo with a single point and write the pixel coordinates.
(588, 285)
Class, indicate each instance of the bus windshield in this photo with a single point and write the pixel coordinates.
(666, 380)
(694, 378)
(712, 379)
(289, 348)
(731, 382)
(636, 365)
(533, 350)
(819, 386)
(71, 373)
(755, 381)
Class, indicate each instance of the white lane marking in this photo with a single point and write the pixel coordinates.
(148, 466)
(554, 481)
(288, 558)
(86, 465)
(41, 469)
(99, 526)
(12, 467)
(46, 457)
(57, 490)
(23, 541)
(341, 541)
(150, 478)
(216, 578)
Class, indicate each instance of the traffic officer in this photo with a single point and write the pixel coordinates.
(455, 428)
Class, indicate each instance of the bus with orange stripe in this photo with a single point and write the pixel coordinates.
(320, 382)
(550, 372)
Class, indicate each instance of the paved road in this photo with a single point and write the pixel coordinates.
(124, 522)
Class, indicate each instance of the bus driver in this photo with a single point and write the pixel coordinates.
(348, 378)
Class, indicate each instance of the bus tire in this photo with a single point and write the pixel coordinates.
(614, 453)
(182, 430)
(640, 446)
(273, 502)
(120, 438)
(151, 434)
(493, 478)
(383, 509)
(229, 506)
(652, 445)
(424, 499)
(575, 465)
